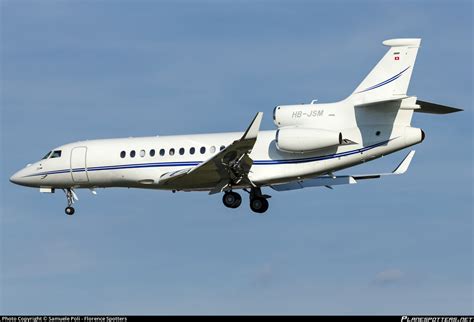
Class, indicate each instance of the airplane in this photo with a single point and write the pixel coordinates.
(310, 143)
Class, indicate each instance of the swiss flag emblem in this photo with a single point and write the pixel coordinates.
(397, 57)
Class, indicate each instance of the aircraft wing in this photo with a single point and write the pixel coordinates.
(229, 167)
(329, 181)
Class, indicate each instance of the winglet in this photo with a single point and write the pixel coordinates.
(403, 166)
(254, 127)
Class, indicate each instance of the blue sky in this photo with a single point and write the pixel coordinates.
(73, 70)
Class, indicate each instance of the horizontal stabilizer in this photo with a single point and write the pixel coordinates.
(382, 100)
(432, 108)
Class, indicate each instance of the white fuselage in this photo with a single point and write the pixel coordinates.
(130, 162)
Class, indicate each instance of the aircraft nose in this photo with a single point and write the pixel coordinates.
(15, 178)
(19, 178)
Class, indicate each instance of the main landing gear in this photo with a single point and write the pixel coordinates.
(70, 196)
(232, 199)
(258, 202)
(259, 205)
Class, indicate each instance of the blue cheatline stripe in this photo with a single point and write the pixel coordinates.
(144, 165)
(391, 79)
(194, 163)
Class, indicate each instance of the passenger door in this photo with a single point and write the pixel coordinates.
(79, 165)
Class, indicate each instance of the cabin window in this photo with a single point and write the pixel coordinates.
(152, 152)
(142, 153)
(56, 154)
(171, 151)
(132, 153)
(181, 151)
(203, 150)
(377, 133)
(192, 150)
(162, 152)
(123, 154)
(222, 147)
(212, 149)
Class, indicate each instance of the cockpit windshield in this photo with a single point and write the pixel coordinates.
(56, 154)
(52, 154)
(46, 156)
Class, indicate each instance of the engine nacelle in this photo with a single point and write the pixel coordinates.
(299, 140)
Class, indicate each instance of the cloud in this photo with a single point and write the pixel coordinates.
(388, 277)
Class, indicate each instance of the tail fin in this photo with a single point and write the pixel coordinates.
(390, 78)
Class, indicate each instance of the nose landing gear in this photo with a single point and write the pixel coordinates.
(70, 196)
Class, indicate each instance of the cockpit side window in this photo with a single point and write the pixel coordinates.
(46, 156)
(56, 154)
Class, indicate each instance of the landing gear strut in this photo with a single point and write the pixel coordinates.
(258, 202)
(70, 196)
(232, 199)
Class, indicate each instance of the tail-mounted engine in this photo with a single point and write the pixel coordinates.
(300, 140)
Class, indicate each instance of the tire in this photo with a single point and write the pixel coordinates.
(69, 211)
(237, 202)
(232, 199)
(259, 205)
